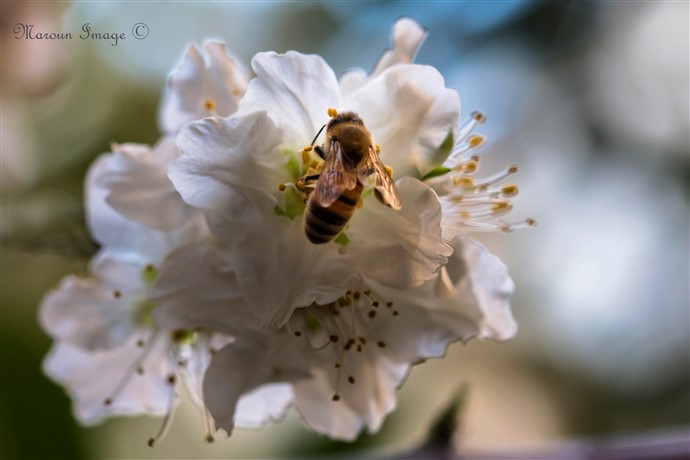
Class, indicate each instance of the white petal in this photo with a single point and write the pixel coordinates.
(402, 248)
(407, 37)
(363, 404)
(351, 81)
(92, 377)
(251, 361)
(196, 287)
(410, 114)
(230, 165)
(279, 270)
(491, 286)
(139, 188)
(96, 312)
(268, 403)
(295, 90)
(124, 236)
(200, 78)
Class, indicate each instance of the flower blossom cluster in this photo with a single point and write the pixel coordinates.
(205, 278)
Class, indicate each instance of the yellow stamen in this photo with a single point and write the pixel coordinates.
(378, 149)
(332, 112)
(471, 167)
(463, 181)
(500, 206)
(307, 148)
(475, 141)
(480, 117)
(210, 105)
(281, 187)
(509, 190)
(389, 170)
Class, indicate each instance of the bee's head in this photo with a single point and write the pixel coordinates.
(345, 118)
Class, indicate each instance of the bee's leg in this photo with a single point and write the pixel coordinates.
(307, 184)
(319, 151)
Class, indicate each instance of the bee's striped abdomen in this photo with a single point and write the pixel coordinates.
(323, 224)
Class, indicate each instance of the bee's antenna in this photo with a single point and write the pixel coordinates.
(317, 135)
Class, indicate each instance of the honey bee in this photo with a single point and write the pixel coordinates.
(350, 162)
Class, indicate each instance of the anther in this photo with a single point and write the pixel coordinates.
(210, 439)
(531, 222)
(141, 343)
(117, 294)
(336, 397)
(282, 187)
(396, 312)
(470, 167)
(375, 304)
(372, 314)
(337, 365)
(151, 442)
(308, 148)
(512, 169)
(351, 379)
(389, 304)
(480, 117)
(363, 340)
(367, 292)
(210, 105)
(140, 370)
(334, 337)
(378, 149)
(107, 402)
(171, 379)
(475, 141)
(356, 295)
(509, 190)
(381, 344)
(297, 333)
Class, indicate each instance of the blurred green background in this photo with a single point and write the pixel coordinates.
(591, 99)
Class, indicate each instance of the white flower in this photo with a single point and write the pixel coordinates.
(204, 84)
(104, 322)
(206, 276)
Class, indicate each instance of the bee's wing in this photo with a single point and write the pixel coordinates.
(336, 177)
(384, 187)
